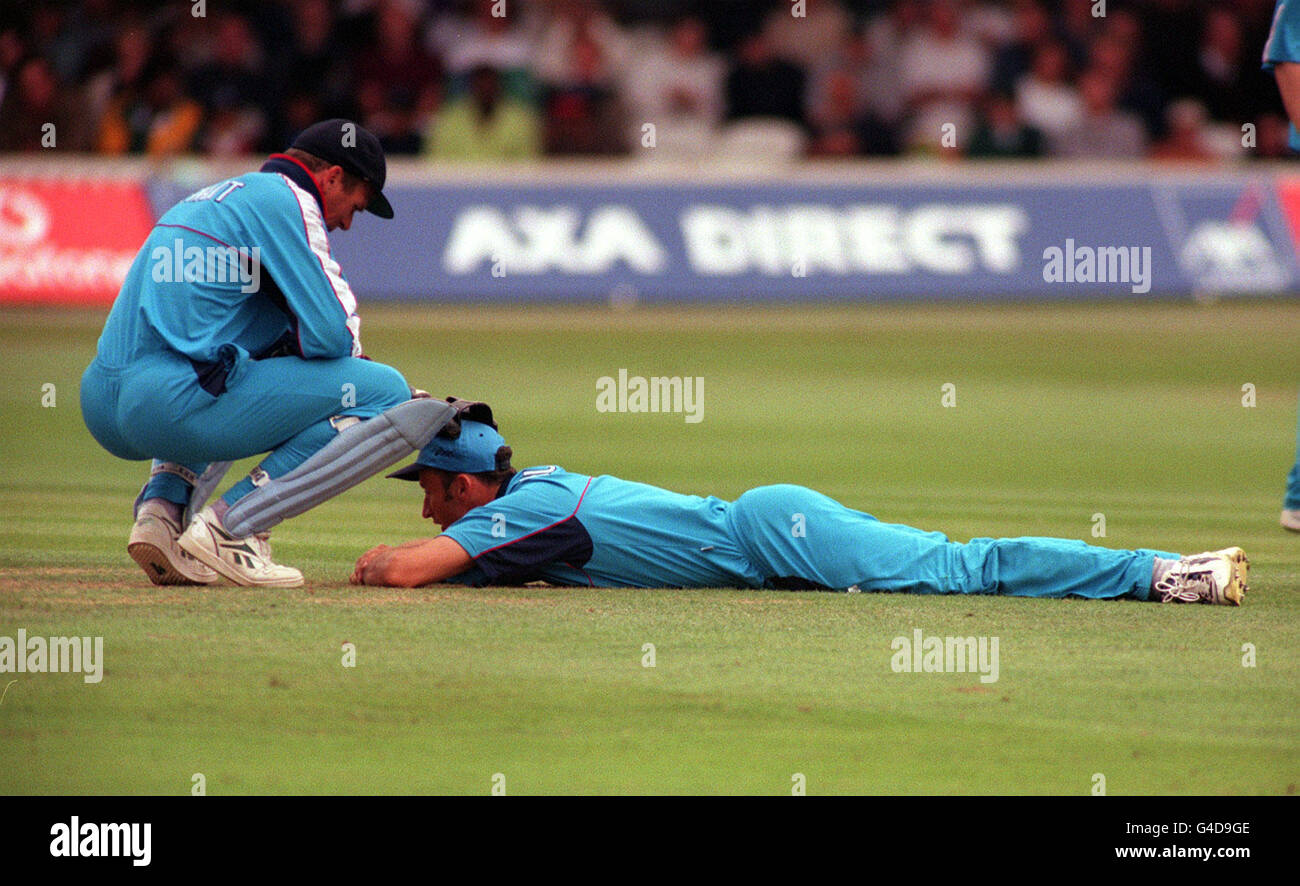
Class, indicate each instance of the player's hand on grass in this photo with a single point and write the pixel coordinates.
(417, 394)
(359, 573)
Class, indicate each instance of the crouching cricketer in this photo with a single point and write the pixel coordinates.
(502, 527)
(235, 333)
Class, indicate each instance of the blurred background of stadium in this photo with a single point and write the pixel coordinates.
(1169, 79)
(628, 150)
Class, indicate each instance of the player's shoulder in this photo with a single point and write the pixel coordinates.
(254, 192)
(276, 188)
(550, 482)
(538, 472)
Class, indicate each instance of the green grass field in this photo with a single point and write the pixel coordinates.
(1062, 413)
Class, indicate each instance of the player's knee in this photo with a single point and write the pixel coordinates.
(385, 387)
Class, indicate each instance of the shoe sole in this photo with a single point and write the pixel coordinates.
(198, 552)
(1237, 587)
(156, 564)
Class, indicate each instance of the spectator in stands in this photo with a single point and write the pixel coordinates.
(307, 71)
(73, 40)
(398, 81)
(122, 81)
(762, 85)
(310, 57)
(301, 109)
(1104, 132)
(395, 58)
(1045, 97)
(1225, 77)
(558, 61)
(883, 38)
(231, 130)
(32, 102)
(484, 39)
(1186, 141)
(1001, 133)
(874, 88)
(942, 74)
(156, 118)
(1115, 54)
(12, 52)
(842, 127)
(485, 124)
(989, 21)
(577, 63)
(1032, 27)
(232, 89)
(390, 118)
(677, 86)
(1172, 28)
(806, 40)
(1075, 25)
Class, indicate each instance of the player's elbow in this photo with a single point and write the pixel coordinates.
(326, 348)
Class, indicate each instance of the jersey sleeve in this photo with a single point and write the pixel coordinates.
(295, 252)
(513, 538)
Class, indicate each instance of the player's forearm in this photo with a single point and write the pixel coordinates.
(415, 563)
(1288, 83)
(394, 569)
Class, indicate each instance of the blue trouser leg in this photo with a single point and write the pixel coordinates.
(281, 405)
(1292, 500)
(790, 531)
(285, 458)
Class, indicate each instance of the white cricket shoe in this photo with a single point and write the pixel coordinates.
(153, 545)
(1216, 577)
(1291, 520)
(245, 561)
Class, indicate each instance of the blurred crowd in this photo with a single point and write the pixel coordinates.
(516, 79)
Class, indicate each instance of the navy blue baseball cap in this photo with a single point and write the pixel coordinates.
(350, 145)
(477, 450)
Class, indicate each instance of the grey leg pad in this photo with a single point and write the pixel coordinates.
(358, 452)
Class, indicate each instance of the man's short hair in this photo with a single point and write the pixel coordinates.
(315, 164)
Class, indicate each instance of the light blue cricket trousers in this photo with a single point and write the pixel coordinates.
(156, 408)
(790, 532)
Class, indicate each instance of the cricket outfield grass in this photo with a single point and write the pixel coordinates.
(1163, 425)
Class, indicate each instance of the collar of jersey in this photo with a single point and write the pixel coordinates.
(504, 487)
(297, 173)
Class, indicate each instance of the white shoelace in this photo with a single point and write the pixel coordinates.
(1180, 583)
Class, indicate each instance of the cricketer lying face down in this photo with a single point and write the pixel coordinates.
(507, 527)
(235, 333)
